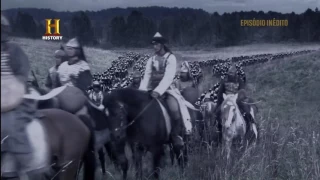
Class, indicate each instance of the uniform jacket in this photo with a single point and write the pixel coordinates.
(96, 97)
(77, 75)
(159, 74)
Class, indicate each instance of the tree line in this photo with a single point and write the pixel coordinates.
(182, 27)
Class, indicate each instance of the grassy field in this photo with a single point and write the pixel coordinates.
(289, 116)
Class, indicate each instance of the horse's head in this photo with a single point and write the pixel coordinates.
(208, 106)
(120, 108)
(117, 118)
(229, 109)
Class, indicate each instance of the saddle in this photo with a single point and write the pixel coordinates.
(183, 107)
(67, 98)
(164, 107)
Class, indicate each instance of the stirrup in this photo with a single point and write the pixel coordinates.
(180, 139)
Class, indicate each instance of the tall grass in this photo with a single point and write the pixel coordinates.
(289, 123)
(289, 116)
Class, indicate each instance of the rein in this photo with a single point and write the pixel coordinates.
(134, 119)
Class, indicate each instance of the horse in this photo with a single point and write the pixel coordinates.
(101, 132)
(55, 144)
(234, 126)
(134, 117)
(114, 150)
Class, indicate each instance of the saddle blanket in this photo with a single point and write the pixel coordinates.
(183, 106)
(166, 118)
(38, 140)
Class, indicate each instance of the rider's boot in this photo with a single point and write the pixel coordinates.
(249, 119)
(173, 107)
(245, 111)
(177, 140)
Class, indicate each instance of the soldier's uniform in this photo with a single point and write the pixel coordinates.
(16, 112)
(158, 77)
(184, 82)
(96, 94)
(75, 74)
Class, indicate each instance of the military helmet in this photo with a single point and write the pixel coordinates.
(232, 70)
(136, 74)
(74, 43)
(59, 53)
(185, 67)
(96, 83)
(158, 38)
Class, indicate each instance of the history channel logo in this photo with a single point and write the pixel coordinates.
(49, 36)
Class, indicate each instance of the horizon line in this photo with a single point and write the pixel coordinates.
(75, 11)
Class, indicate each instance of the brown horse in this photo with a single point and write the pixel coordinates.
(61, 139)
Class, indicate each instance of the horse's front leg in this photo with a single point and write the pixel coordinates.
(186, 151)
(172, 154)
(102, 161)
(157, 153)
(137, 157)
(228, 144)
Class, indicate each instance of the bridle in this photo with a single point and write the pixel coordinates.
(230, 103)
(125, 126)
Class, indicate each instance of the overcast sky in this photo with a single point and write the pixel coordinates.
(220, 6)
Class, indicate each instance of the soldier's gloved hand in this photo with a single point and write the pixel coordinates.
(155, 94)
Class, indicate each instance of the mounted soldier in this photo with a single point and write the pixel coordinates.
(233, 84)
(158, 79)
(185, 79)
(16, 112)
(76, 75)
(96, 94)
(76, 71)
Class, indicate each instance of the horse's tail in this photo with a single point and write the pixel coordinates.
(89, 156)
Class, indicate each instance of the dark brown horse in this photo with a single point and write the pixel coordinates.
(134, 117)
(67, 142)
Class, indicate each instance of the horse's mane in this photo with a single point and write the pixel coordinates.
(128, 96)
